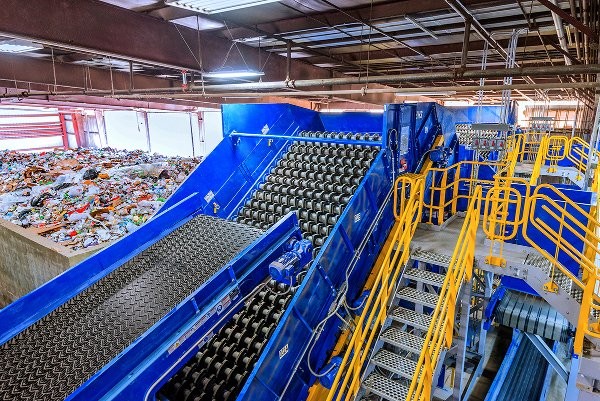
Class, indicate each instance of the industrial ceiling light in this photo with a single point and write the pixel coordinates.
(216, 6)
(457, 103)
(429, 93)
(18, 46)
(233, 74)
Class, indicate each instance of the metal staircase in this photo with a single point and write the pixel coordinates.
(402, 339)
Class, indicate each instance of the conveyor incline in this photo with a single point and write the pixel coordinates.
(53, 357)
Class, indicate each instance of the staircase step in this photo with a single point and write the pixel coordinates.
(418, 297)
(398, 338)
(538, 261)
(431, 257)
(425, 276)
(395, 363)
(414, 319)
(388, 389)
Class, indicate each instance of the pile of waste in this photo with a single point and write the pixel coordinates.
(85, 197)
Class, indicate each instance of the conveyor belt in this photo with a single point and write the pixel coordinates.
(525, 379)
(315, 179)
(533, 315)
(219, 370)
(53, 357)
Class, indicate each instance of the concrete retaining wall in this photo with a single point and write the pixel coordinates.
(28, 260)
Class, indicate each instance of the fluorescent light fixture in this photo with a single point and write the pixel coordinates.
(457, 103)
(216, 6)
(429, 93)
(18, 46)
(233, 74)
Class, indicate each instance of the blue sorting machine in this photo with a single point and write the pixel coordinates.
(196, 304)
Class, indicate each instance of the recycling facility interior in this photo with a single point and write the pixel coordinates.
(107, 107)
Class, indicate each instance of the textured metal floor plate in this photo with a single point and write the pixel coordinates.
(431, 257)
(53, 357)
(425, 276)
(414, 319)
(417, 297)
(398, 338)
(392, 390)
(395, 363)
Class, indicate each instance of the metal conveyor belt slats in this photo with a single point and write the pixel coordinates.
(54, 356)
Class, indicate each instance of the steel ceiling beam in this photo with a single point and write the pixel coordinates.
(362, 80)
(437, 49)
(99, 28)
(382, 12)
(461, 10)
(570, 19)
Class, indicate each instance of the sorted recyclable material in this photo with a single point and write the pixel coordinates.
(86, 197)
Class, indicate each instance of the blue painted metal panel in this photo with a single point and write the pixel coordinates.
(279, 118)
(352, 122)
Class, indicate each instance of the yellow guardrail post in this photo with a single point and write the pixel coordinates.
(540, 160)
(586, 232)
(440, 331)
(408, 205)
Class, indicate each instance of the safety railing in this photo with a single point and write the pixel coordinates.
(529, 146)
(554, 149)
(439, 334)
(408, 198)
(564, 219)
(447, 187)
(578, 154)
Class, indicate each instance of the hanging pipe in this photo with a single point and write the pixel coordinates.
(384, 79)
(560, 32)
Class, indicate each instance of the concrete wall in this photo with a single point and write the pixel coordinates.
(27, 261)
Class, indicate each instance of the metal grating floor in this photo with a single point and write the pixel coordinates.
(53, 357)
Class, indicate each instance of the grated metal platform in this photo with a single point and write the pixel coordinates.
(53, 357)
(389, 389)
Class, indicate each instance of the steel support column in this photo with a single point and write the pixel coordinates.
(461, 341)
(593, 142)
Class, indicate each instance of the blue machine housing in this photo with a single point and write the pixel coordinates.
(282, 372)
(256, 136)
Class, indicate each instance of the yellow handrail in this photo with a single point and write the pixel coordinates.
(553, 149)
(559, 212)
(441, 181)
(347, 380)
(439, 334)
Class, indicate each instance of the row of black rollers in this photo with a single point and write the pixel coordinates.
(359, 136)
(219, 370)
(317, 181)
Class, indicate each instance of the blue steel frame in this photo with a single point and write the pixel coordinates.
(219, 186)
(282, 371)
